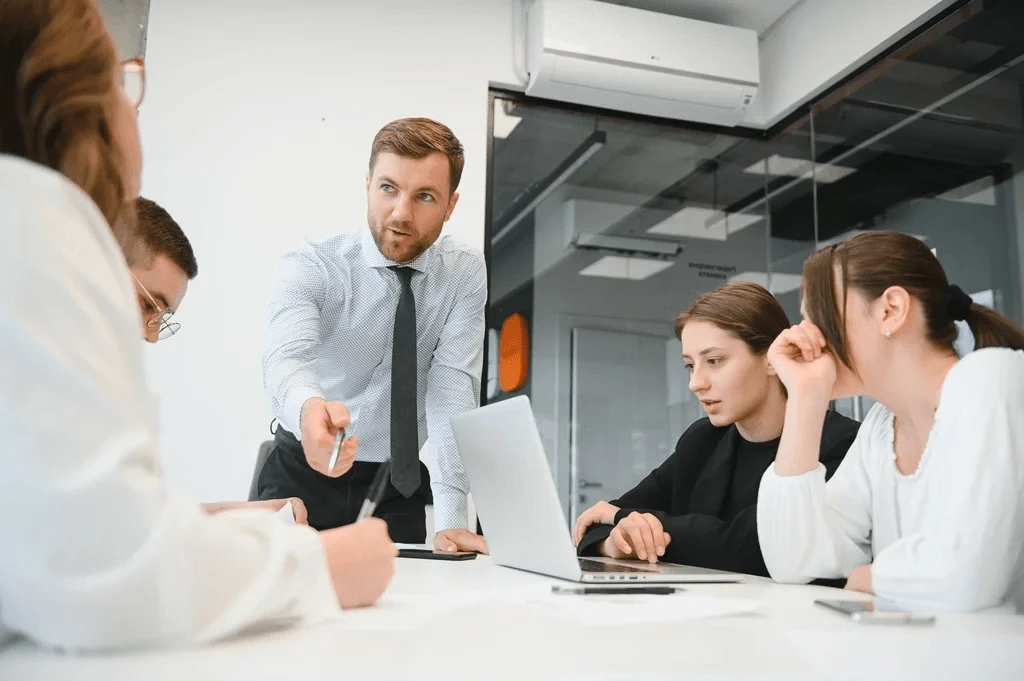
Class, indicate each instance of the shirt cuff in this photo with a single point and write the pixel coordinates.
(451, 510)
(595, 535)
(291, 419)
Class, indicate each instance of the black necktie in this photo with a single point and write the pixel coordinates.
(405, 441)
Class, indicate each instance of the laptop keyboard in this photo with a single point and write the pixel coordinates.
(588, 565)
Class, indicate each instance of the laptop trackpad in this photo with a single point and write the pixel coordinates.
(613, 565)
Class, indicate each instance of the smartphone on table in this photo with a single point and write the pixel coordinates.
(875, 612)
(430, 554)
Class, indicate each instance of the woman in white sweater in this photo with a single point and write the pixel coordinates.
(95, 552)
(927, 509)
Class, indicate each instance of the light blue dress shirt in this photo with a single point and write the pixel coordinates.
(329, 333)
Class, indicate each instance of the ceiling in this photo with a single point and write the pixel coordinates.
(127, 21)
(672, 165)
(758, 15)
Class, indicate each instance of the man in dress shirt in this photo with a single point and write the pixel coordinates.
(380, 332)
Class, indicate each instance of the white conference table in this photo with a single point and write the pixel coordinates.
(409, 635)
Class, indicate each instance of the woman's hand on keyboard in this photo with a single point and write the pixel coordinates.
(638, 535)
(600, 513)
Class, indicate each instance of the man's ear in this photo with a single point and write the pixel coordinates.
(451, 206)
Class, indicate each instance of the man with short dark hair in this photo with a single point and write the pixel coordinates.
(162, 262)
(381, 332)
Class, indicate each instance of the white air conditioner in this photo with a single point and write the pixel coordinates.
(627, 59)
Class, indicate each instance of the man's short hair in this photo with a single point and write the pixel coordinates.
(159, 234)
(418, 138)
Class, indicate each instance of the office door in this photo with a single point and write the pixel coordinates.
(623, 413)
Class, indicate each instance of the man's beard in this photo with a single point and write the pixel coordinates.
(399, 254)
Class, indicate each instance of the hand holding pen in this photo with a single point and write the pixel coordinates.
(324, 442)
(376, 491)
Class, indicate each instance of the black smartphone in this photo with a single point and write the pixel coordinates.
(427, 554)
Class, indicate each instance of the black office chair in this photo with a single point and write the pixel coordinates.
(261, 461)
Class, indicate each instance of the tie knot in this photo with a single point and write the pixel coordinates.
(404, 273)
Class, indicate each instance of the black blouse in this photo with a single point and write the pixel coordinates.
(705, 494)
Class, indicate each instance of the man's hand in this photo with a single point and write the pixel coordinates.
(860, 580)
(361, 559)
(449, 541)
(274, 505)
(320, 421)
(638, 535)
(601, 513)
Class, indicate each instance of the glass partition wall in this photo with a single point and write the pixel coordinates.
(601, 228)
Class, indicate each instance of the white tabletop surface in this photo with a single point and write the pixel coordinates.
(413, 634)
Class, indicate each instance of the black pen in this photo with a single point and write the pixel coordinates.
(596, 590)
(375, 492)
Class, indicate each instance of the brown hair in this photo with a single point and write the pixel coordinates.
(58, 67)
(418, 138)
(746, 310)
(159, 234)
(871, 263)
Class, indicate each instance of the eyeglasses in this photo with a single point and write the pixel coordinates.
(161, 319)
(133, 79)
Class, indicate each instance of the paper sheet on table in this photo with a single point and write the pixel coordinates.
(411, 611)
(286, 514)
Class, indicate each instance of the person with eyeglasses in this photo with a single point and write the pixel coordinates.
(162, 264)
(97, 553)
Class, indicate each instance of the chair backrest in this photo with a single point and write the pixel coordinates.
(261, 461)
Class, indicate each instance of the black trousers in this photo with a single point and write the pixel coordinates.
(333, 502)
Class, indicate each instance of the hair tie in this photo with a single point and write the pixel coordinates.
(959, 304)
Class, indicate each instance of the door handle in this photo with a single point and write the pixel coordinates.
(587, 484)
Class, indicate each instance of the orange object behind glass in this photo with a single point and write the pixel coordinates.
(513, 353)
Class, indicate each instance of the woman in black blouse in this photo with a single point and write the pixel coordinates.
(699, 506)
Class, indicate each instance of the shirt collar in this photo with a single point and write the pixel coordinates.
(374, 258)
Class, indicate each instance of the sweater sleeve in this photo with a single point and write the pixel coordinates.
(97, 552)
(653, 493)
(808, 529)
(708, 541)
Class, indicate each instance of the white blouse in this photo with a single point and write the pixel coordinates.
(95, 552)
(950, 536)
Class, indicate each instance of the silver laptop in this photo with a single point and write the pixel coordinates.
(519, 509)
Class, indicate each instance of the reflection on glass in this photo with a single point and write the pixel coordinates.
(618, 224)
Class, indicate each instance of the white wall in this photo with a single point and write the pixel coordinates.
(256, 126)
(818, 42)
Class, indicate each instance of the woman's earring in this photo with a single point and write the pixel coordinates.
(888, 334)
